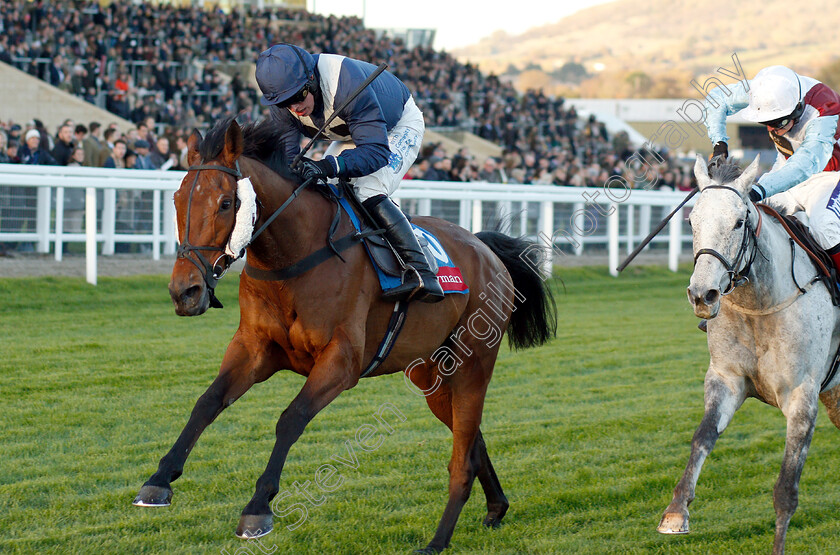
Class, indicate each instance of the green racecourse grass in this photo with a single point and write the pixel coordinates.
(588, 435)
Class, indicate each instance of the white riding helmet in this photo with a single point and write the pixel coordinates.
(775, 93)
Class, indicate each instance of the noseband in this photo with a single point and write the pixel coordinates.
(736, 277)
(211, 273)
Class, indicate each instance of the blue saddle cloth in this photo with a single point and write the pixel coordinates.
(448, 274)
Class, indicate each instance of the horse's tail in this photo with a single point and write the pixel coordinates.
(534, 318)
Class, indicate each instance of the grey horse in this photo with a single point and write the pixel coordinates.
(767, 338)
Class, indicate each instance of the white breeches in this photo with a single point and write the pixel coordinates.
(819, 197)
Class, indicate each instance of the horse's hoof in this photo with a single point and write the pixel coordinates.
(153, 496)
(429, 550)
(492, 521)
(495, 515)
(673, 523)
(254, 526)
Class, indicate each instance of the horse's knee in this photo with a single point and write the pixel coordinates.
(460, 485)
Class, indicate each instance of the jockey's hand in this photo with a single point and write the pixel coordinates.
(319, 169)
(755, 194)
(719, 153)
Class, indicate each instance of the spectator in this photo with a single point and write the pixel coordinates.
(93, 146)
(77, 157)
(491, 172)
(12, 152)
(63, 145)
(79, 134)
(435, 171)
(160, 156)
(32, 152)
(109, 136)
(4, 155)
(117, 156)
(74, 198)
(141, 156)
(183, 149)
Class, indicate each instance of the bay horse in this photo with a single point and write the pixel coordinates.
(772, 332)
(326, 323)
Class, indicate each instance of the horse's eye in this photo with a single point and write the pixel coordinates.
(226, 204)
(739, 224)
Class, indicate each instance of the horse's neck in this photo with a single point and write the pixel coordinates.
(293, 234)
(770, 275)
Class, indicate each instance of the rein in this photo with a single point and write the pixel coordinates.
(736, 277)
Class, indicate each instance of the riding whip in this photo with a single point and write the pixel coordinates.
(653, 233)
(344, 104)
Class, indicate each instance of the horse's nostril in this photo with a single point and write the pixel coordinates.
(711, 297)
(190, 293)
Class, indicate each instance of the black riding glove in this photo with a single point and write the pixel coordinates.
(718, 155)
(755, 195)
(319, 169)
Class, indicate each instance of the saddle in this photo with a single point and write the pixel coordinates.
(382, 255)
(801, 235)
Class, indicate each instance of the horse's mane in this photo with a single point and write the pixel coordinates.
(261, 141)
(725, 171)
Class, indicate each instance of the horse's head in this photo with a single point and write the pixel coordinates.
(205, 205)
(723, 228)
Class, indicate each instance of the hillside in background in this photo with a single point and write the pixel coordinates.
(654, 48)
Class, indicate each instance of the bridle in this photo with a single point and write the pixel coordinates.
(212, 273)
(737, 277)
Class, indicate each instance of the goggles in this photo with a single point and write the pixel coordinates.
(779, 123)
(300, 96)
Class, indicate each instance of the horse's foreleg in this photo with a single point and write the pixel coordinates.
(721, 403)
(332, 374)
(801, 414)
(235, 378)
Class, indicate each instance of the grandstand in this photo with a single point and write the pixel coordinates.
(158, 70)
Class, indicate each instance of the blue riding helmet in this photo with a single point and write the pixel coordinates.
(282, 71)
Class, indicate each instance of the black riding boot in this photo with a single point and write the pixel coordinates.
(419, 283)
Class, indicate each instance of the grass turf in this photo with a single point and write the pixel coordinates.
(588, 435)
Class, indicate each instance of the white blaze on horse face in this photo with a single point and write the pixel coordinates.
(714, 223)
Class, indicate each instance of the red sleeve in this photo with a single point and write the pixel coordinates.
(824, 99)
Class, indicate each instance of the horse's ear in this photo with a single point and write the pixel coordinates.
(701, 172)
(193, 157)
(745, 182)
(233, 144)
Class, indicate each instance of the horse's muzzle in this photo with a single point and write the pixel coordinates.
(706, 302)
(189, 296)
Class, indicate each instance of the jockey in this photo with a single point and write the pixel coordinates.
(376, 139)
(801, 115)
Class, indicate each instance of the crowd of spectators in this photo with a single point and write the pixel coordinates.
(92, 145)
(159, 66)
